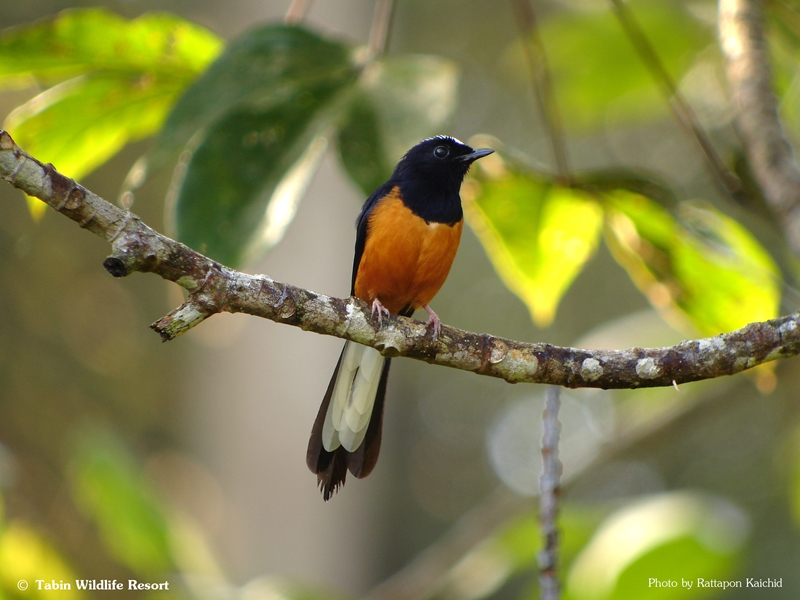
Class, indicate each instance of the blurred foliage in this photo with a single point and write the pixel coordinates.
(254, 147)
(706, 264)
(671, 538)
(107, 485)
(509, 552)
(27, 555)
(138, 527)
(616, 552)
(255, 126)
(399, 100)
(251, 123)
(116, 81)
(596, 68)
(259, 143)
(705, 272)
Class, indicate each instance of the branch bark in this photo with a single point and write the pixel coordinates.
(749, 72)
(215, 288)
(549, 495)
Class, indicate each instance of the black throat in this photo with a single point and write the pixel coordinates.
(436, 201)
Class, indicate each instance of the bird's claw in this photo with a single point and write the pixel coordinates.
(433, 321)
(379, 310)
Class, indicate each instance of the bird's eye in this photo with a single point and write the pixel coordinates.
(441, 151)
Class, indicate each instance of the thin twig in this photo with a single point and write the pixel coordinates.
(549, 493)
(382, 20)
(535, 55)
(681, 109)
(296, 12)
(749, 71)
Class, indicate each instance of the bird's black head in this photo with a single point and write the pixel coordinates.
(429, 177)
(440, 159)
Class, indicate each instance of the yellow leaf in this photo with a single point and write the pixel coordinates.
(537, 233)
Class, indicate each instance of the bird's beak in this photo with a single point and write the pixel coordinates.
(476, 154)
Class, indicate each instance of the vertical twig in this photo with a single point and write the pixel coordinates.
(549, 492)
(749, 72)
(681, 109)
(296, 11)
(382, 20)
(536, 59)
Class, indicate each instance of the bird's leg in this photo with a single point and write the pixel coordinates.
(380, 310)
(433, 320)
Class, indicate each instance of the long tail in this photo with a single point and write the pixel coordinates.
(347, 432)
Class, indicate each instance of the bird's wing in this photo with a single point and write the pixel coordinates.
(361, 227)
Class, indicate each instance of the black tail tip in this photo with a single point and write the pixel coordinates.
(328, 487)
(333, 476)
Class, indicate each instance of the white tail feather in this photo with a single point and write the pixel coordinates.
(362, 397)
(353, 397)
(330, 437)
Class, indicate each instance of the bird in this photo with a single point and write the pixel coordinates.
(407, 235)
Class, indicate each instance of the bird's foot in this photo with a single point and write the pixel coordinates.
(433, 321)
(379, 310)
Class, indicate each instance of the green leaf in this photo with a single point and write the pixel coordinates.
(81, 123)
(80, 41)
(107, 486)
(123, 78)
(595, 67)
(707, 265)
(538, 234)
(399, 101)
(360, 145)
(668, 538)
(256, 124)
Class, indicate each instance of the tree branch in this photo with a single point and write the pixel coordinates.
(215, 288)
(749, 71)
(549, 494)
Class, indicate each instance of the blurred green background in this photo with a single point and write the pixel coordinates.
(122, 457)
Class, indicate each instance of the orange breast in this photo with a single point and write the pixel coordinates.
(405, 260)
